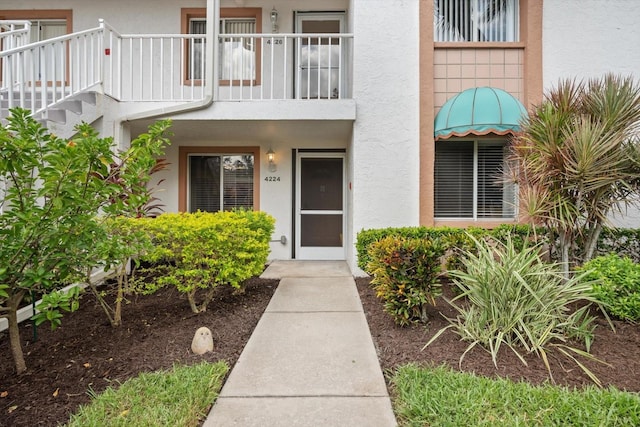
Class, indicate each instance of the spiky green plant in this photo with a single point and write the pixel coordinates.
(514, 299)
(578, 160)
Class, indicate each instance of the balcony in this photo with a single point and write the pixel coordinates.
(173, 68)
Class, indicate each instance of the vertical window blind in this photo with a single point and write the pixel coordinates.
(469, 181)
(220, 182)
(454, 179)
(476, 21)
(195, 55)
(237, 53)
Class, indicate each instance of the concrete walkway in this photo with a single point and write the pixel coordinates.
(310, 360)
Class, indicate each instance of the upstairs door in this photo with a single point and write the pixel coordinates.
(319, 63)
(320, 201)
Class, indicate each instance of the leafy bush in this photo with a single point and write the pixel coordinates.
(205, 250)
(52, 304)
(56, 192)
(617, 285)
(405, 276)
(366, 238)
(517, 300)
(123, 240)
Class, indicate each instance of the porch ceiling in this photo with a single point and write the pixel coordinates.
(319, 132)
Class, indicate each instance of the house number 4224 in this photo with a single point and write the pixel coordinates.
(272, 178)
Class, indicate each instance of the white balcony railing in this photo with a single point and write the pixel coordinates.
(284, 66)
(171, 67)
(152, 67)
(14, 34)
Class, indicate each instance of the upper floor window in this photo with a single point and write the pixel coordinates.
(195, 58)
(237, 51)
(239, 61)
(476, 21)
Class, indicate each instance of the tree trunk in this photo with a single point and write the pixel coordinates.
(207, 299)
(94, 290)
(592, 242)
(117, 315)
(191, 296)
(14, 332)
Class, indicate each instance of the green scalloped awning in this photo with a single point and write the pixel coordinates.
(479, 111)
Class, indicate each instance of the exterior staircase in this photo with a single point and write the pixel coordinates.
(60, 117)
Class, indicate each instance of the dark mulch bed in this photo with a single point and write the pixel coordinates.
(397, 346)
(86, 353)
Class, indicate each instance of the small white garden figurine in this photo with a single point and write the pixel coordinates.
(202, 341)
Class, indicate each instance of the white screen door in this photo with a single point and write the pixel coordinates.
(320, 201)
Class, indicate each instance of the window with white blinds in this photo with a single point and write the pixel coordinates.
(237, 52)
(469, 181)
(220, 182)
(195, 64)
(476, 21)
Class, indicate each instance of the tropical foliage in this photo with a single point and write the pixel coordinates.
(514, 299)
(578, 160)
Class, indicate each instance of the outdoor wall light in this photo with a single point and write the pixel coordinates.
(271, 157)
(274, 20)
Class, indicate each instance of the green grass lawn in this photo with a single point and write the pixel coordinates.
(179, 397)
(442, 397)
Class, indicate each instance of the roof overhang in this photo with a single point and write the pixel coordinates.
(479, 111)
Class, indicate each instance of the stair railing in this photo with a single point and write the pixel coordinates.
(37, 76)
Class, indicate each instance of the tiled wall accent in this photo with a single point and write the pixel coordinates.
(458, 69)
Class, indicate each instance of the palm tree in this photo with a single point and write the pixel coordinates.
(578, 159)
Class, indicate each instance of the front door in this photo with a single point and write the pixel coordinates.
(319, 58)
(320, 200)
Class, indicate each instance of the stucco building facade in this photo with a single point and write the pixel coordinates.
(323, 114)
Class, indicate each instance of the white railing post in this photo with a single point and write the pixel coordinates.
(212, 79)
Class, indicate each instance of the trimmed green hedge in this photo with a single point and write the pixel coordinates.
(623, 241)
(454, 240)
(204, 250)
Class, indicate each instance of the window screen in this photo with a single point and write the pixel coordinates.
(469, 181)
(454, 179)
(220, 182)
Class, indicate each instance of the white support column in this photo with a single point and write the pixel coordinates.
(213, 47)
